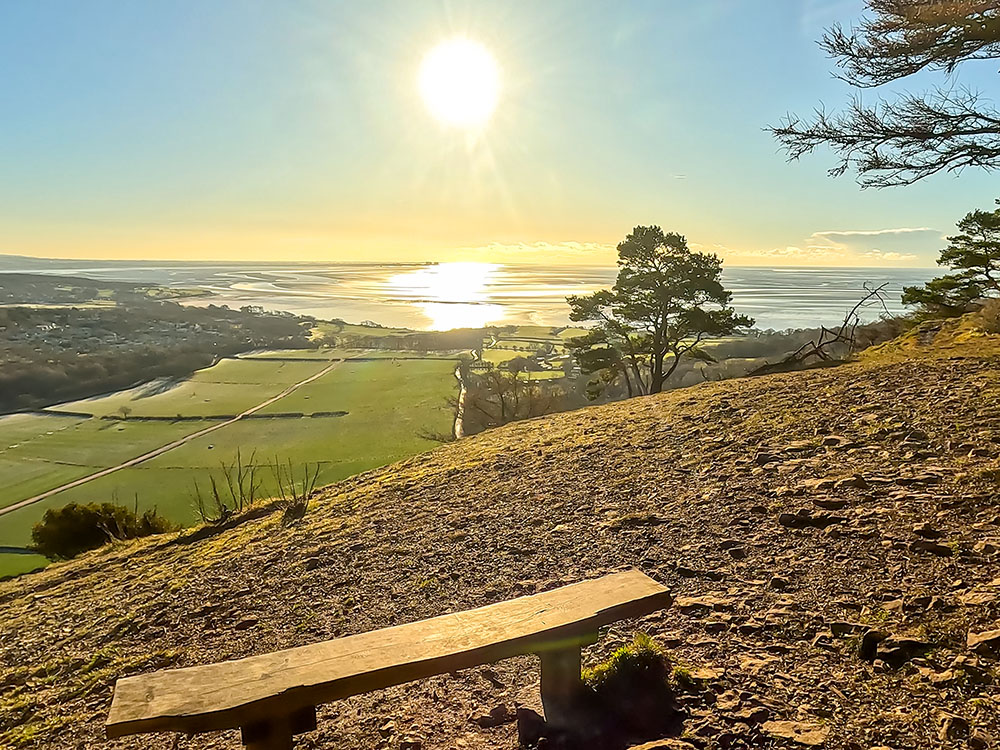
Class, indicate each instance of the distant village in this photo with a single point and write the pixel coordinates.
(81, 337)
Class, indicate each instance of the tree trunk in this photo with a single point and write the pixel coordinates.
(656, 373)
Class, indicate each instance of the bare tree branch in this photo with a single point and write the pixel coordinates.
(912, 136)
(898, 143)
(903, 37)
(843, 339)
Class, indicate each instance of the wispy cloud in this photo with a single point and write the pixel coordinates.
(542, 253)
(902, 246)
(878, 232)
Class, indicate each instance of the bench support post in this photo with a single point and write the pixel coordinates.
(277, 732)
(561, 685)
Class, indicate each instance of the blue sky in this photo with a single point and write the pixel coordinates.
(271, 131)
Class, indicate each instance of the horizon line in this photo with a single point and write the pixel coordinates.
(206, 262)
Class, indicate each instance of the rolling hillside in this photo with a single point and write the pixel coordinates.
(832, 538)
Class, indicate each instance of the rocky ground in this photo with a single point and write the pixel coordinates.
(831, 538)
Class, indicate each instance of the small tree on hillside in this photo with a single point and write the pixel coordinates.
(974, 255)
(502, 395)
(900, 140)
(666, 301)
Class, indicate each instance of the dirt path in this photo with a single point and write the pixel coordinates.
(169, 446)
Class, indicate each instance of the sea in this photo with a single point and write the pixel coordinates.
(440, 296)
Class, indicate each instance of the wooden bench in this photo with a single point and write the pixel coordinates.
(272, 697)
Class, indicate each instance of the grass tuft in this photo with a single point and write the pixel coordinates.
(640, 658)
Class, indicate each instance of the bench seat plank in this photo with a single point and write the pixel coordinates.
(240, 692)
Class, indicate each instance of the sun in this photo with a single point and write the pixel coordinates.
(460, 83)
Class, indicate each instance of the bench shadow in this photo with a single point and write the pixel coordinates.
(630, 710)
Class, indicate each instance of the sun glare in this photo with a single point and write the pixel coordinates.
(460, 83)
(451, 295)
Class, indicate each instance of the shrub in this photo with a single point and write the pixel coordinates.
(238, 491)
(74, 528)
(293, 492)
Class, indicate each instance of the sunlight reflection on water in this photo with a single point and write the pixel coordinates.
(467, 294)
(451, 295)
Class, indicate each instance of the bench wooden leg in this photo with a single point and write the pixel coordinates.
(277, 732)
(561, 685)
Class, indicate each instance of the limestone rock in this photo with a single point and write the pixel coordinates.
(870, 642)
(665, 744)
(856, 482)
(986, 643)
(804, 733)
(830, 503)
(700, 604)
(842, 628)
(951, 727)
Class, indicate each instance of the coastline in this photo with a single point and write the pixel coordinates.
(428, 296)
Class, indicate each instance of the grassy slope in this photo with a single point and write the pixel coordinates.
(660, 483)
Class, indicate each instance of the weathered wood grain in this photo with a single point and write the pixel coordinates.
(245, 691)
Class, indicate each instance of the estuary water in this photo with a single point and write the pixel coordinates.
(450, 295)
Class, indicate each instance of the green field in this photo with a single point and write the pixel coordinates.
(227, 389)
(537, 332)
(394, 388)
(547, 346)
(249, 372)
(328, 353)
(544, 375)
(499, 356)
(26, 477)
(18, 428)
(59, 456)
(322, 353)
(388, 404)
(15, 565)
(324, 328)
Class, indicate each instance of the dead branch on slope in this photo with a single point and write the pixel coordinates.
(833, 344)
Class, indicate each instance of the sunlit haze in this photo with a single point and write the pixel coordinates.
(426, 131)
